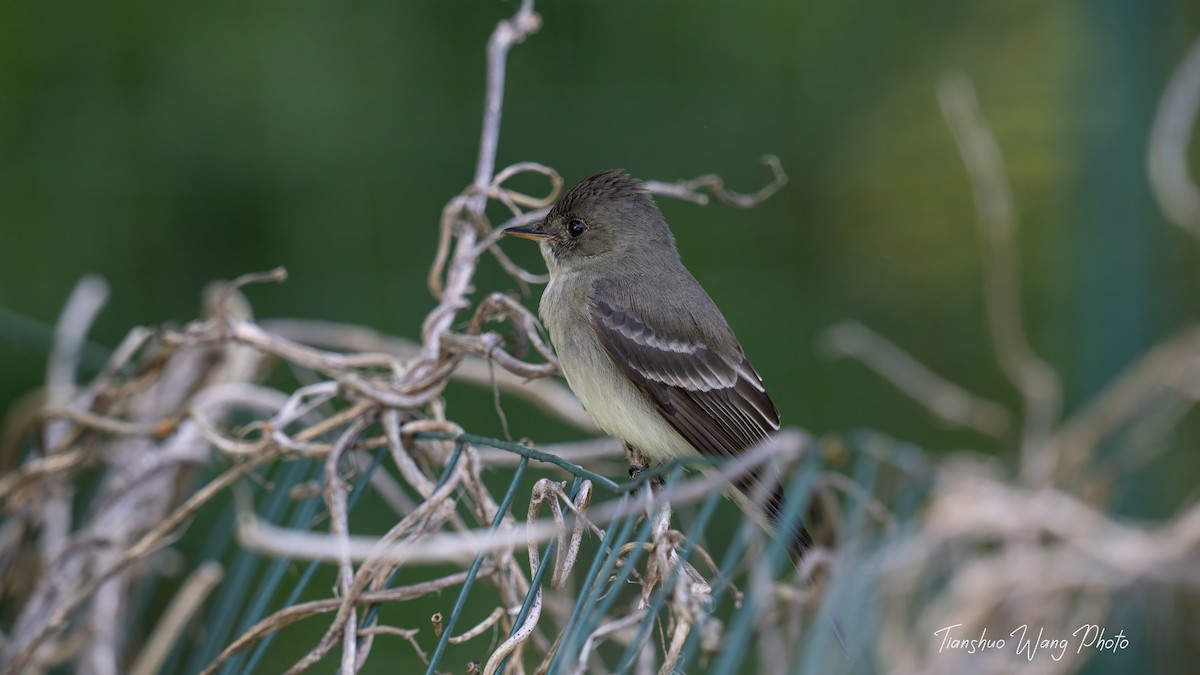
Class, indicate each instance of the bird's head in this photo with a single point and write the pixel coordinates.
(605, 219)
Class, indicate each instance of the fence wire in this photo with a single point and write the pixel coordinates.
(600, 592)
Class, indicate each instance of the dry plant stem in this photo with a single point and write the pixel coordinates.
(480, 628)
(512, 645)
(514, 201)
(491, 346)
(1167, 161)
(662, 546)
(949, 402)
(409, 635)
(303, 402)
(272, 540)
(135, 497)
(462, 266)
(150, 542)
(507, 33)
(1036, 381)
(248, 333)
(110, 425)
(87, 299)
(690, 190)
(548, 395)
(298, 444)
(851, 489)
(61, 462)
(335, 502)
(83, 306)
(678, 638)
(123, 355)
(1167, 366)
(183, 607)
(567, 550)
(543, 489)
(500, 305)
(1079, 553)
(38, 469)
(350, 585)
(427, 517)
(604, 630)
(277, 275)
(403, 458)
(760, 585)
(512, 198)
(289, 615)
(515, 586)
(437, 506)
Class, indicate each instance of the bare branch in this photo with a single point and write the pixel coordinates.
(1167, 366)
(294, 613)
(87, 299)
(335, 501)
(949, 402)
(549, 396)
(1167, 160)
(183, 607)
(1035, 380)
(690, 190)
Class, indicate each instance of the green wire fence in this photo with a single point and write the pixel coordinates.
(601, 585)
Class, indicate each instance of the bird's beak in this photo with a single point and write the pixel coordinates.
(533, 231)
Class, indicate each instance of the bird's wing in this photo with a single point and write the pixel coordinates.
(712, 396)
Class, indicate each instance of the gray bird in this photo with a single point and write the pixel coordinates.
(642, 344)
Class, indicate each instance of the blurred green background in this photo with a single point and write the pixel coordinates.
(164, 145)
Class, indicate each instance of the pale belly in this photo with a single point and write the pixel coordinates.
(609, 397)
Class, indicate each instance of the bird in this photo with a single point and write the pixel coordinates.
(644, 347)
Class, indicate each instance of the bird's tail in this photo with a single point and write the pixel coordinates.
(800, 540)
(769, 493)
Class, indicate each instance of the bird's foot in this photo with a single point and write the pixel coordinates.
(638, 463)
(636, 470)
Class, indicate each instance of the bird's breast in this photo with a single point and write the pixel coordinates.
(613, 401)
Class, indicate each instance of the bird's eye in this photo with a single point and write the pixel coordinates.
(576, 227)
